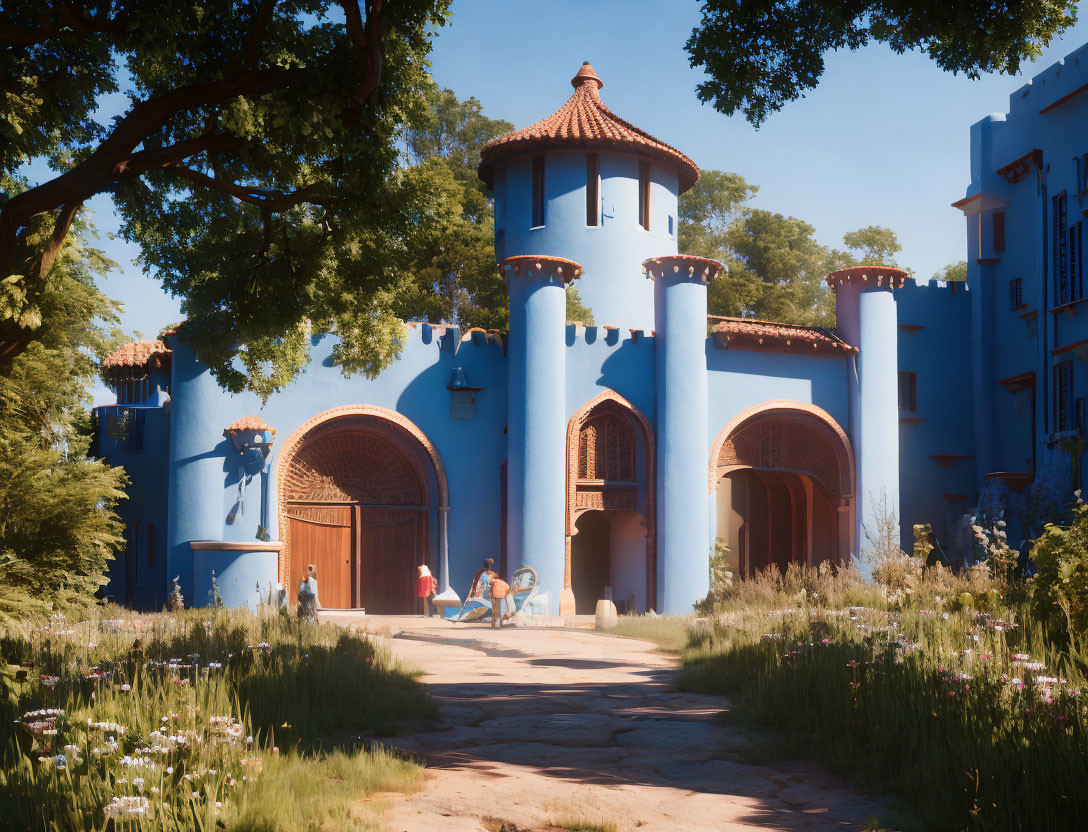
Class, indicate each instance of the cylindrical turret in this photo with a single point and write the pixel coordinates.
(585, 184)
(197, 449)
(536, 419)
(683, 554)
(866, 318)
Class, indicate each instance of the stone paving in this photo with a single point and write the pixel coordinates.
(545, 726)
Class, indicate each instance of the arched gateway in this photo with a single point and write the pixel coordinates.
(611, 538)
(356, 489)
(783, 473)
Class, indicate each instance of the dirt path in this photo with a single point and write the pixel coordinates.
(545, 726)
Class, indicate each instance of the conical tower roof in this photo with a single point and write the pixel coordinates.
(585, 122)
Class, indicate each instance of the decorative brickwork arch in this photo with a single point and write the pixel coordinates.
(760, 437)
(796, 466)
(602, 471)
(363, 459)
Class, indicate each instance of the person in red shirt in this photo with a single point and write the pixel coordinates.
(426, 587)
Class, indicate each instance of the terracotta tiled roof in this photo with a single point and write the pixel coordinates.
(584, 121)
(145, 354)
(748, 334)
(249, 423)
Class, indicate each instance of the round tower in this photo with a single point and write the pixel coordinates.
(197, 448)
(536, 417)
(585, 184)
(683, 511)
(866, 318)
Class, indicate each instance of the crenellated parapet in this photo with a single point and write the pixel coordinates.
(540, 267)
(702, 269)
(868, 277)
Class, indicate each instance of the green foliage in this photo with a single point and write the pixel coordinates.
(721, 578)
(953, 272)
(922, 546)
(308, 697)
(877, 246)
(257, 165)
(978, 712)
(453, 254)
(1060, 599)
(577, 312)
(775, 268)
(58, 529)
(759, 55)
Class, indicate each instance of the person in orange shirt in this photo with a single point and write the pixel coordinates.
(426, 587)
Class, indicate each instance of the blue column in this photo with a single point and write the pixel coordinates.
(867, 319)
(197, 449)
(683, 512)
(536, 472)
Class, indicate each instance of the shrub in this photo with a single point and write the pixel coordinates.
(1060, 598)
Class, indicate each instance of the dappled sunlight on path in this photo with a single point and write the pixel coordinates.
(544, 725)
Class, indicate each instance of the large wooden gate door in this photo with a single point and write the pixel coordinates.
(392, 543)
(323, 536)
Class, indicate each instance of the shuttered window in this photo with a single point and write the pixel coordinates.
(1016, 293)
(1063, 397)
(1061, 250)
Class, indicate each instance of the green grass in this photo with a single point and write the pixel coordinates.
(227, 719)
(668, 632)
(912, 703)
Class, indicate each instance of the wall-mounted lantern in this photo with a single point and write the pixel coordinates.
(462, 395)
(252, 437)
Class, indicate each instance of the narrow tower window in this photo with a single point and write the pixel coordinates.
(593, 189)
(644, 195)
(538, 191)
(908, 391)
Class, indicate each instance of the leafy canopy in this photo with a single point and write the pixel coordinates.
(58, 529)
(775, 267)
(761, 54)
(256, 164)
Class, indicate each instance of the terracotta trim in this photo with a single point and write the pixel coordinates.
(1063, 99)
(946, 461)
(293, 442)
(863, 274)
(785, 405)
(913, 329)
(988, 261)
(1069, 308)
(1018, 169)
(1020, 381)
(1069, 347)
(574, 427)
(1016, 481)
(911, 420)
(233, 546)
(545, 266)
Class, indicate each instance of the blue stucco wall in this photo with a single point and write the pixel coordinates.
(1047, 115)
(612, 253)
(940, 354)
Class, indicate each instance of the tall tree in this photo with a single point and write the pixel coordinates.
(759, 55)
(58, 529)
(453, 275)
(876, 245)
(256, 164)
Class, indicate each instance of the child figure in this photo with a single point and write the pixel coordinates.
(426, 587)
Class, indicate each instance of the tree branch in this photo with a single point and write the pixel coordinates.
(256, 36)
(367, 39)
(67, 17)
(267, 199)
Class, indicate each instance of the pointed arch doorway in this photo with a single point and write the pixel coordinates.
(358, 490)
(610, 534)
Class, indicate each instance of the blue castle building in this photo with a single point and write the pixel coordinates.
(615, 455)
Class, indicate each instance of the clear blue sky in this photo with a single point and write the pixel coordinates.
(882, 141)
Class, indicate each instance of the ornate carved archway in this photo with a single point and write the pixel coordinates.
(355, 454)
(602, 471)
(785, 444)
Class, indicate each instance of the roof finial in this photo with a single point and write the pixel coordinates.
(587, 74)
